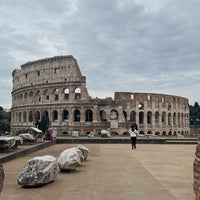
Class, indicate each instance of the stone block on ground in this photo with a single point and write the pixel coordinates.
(84, 150)
(38, 171)
(75, 134)
(105, 134)
(70, 159)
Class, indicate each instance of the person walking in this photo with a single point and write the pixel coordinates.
(133, 134)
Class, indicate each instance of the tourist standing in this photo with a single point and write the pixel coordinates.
(133, 134)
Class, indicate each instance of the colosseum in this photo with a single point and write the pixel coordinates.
(55, 87)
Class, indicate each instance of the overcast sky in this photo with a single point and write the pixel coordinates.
(120, 45)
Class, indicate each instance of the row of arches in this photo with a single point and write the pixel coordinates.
(149, 133)
(87, 115)
(55, 94)
(30, 116)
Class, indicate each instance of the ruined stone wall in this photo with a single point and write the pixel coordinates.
(2, 175)
(158, 114)
(196, 172)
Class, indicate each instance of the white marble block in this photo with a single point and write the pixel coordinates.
(105, 134)
(38, 171)
(84, 150)
(69, 159)
(27, 136)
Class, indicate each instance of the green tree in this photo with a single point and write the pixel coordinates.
(45, 123)
(194, 114)
(5, 118)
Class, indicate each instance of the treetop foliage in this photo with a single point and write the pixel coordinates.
(195, 114)
(5, 118)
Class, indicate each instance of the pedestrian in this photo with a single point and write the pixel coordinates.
(133, 133)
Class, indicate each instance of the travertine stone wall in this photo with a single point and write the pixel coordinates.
(196, 172)
(2, 175)
(55, 87)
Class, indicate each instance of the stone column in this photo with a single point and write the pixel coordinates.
(153, 122)
(82, 115)
(95, 114)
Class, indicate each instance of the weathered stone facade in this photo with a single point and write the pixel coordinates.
(55, 87)
(2, 176)
(196, 172)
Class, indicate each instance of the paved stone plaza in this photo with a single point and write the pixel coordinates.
(113, 172)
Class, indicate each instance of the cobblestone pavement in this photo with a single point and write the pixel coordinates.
(112, 172)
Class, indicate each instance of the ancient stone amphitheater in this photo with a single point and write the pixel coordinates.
(55, 87)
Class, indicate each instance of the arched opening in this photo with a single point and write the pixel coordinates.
(46, 94)
(30, 116)
(25, 96)
(65, 115)
(133, 116)
(77, 93)
(141, 106)
(170, 132)
(37, 116)
(55, 115)
(56, 97)
(149, 132)
(174, 119)
(56, 94)
(103, 115)
(174, 132)
(77, 116)
(179, 120)
(66, 94)
(56, 71)
(141, 118)
(169, 119)
(149, 117)
(182, 119)
(113, 115)
(24, 116)
(163, 118)
(164, 133)
(157, 133)
(16, 116)
(38, 96)
(31, 94)
(125, 115)
(88, 116)
(45, 114)
(20, 117)
(141, 133)
(157, 117)
(126, 133)
(113, 133)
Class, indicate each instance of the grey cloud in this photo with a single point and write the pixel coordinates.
(119, 45)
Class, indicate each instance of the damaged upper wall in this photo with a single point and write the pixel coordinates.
(49, 70)
(153, 97)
